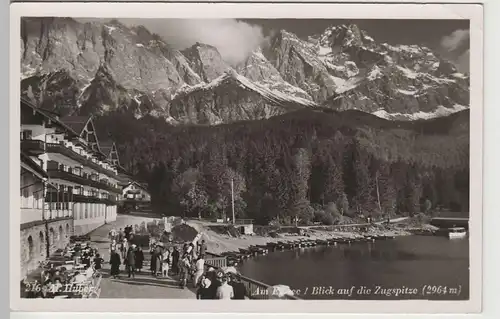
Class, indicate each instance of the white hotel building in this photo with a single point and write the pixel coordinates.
(68, 185)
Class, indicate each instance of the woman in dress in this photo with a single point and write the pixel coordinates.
(115, 264)
(165, 263)
(156, 260)
(139, 259)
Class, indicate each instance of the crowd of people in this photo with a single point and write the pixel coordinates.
(186, 261)
(219, 285)
(124, 251)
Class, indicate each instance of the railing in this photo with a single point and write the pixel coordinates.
(61, 149)
(52, 213)
(216, 262)
(254, 288)
(33, 146)
(243, 221)
(57, 173)
(62, 197)
(224, 221)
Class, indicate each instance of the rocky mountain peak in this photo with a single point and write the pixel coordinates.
(100, 67)
(206, 61)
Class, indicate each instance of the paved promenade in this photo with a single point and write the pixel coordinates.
(143, 285)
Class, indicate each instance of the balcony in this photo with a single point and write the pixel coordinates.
(67, 176)
(65, 197)
(29, 215)
(33, 147)
(63, 150)
(80, 180)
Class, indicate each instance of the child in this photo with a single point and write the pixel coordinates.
(165, 263)
(98, 262)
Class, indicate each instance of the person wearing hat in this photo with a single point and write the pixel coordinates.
(204, 291)
(216, 282)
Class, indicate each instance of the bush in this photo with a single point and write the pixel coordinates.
(323, 217)
(306, 215)
(332, 209)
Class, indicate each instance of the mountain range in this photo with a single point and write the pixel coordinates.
(104, 67)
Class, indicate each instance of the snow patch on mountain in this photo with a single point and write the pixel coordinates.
(269, 93)
(407, 72)
(439, 112)
(406, 92)
(110, 28)
(348, 85)
(375, 73)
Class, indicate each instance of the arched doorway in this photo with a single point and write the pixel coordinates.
(41, 244)
(52, 236)
(60, 236)
(30, 248)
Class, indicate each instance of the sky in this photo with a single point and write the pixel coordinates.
(235, 38)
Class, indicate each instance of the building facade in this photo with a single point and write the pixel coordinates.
(136, 192)
(42, 231)
(80, 189)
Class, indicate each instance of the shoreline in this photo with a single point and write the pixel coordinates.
(218, 243)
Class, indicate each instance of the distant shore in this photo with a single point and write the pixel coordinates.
(218, 243)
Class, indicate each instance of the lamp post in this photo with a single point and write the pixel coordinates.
(232, 199)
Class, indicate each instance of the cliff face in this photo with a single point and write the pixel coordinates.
(95, 68)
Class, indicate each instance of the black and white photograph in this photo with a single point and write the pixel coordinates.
(287, 158)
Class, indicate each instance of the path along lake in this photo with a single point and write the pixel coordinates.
(408, 267)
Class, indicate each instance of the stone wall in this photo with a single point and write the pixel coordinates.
(34, 241)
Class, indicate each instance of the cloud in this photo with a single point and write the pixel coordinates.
(463, 62)
(234, 39)
(456, 47)
(456, 40)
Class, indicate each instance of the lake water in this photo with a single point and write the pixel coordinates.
(410, 267)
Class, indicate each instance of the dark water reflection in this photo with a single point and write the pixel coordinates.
(407, 262)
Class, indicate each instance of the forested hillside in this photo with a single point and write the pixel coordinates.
(318, 165)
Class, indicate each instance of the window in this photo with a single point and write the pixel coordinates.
(67, 230)
(36, 196)
(61, 233)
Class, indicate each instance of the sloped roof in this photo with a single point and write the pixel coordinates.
(25, 159)
(77, 123)
(106, 147)
(48, 115)
(143, 187)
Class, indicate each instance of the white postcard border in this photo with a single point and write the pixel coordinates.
(246, 10)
